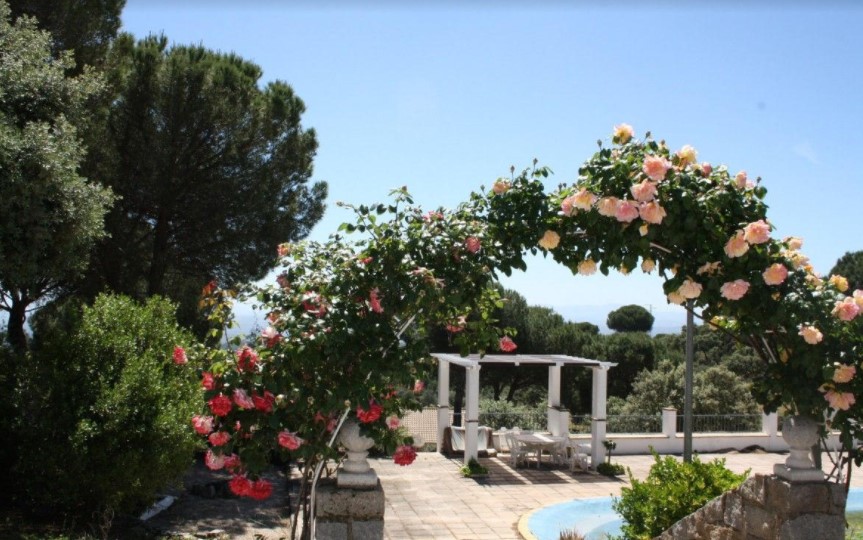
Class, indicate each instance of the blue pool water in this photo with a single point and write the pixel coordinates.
(595, 519)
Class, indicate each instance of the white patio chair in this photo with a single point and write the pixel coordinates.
(560, 453)
(578, 456)
(518, 452)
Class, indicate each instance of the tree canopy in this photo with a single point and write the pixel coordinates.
(85, 27)
(50, 215)
(631, 318)
(213, 172)
(850, 266)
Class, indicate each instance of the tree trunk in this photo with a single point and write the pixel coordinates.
(16, 336)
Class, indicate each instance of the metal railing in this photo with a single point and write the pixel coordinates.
(722, 423)
(529, 420)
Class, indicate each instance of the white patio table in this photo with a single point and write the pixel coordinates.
(540, 442)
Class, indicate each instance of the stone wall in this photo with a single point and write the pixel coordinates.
(768, 508)
(349, 514)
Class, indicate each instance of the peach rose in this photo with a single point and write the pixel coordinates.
(626, 211)
(644, 229)
(708, 268)
(811, 335)
(284, 249)
(734, 290)
(775, 274)
(501, 186)
(736, 246)
(587, 267)
(793, 242)
(839, 282)
(687, 155)
(656, 167)
(843, 373)
(622, 134)
(690, 289)
(706, 168)
(757, 232)
(846, 309)
(624, 270)
(676, 298)
(841, 401)
(584, 200)
(652, 212)
(472, 244)
(858, 298)
(607, 206)
(814, 281)
(740, 180)
(567, 205)
(797, 259)
(647, 266)
(549, 240)
(644, 191)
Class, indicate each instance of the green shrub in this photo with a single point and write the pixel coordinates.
(473, 468)
(671, 491)
(105, 412)
(610, 469)
(499, 414)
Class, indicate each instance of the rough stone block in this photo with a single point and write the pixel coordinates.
(714, 511)
(362, 505)
(791, 499)
(811, 526)
(685, 528)
(720, 532)
(734, 511)
(838, 499)
(755, 490)
(367, 530)
(331, 530)
(759, 523)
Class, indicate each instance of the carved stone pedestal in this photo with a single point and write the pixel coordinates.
(349, 514)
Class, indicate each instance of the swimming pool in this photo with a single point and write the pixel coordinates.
(595, 519)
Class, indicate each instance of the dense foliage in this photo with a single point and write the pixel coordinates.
(630, 318)
(50, 215)
(850, 266)
(213, 170)
(671, 491)
(104, 409)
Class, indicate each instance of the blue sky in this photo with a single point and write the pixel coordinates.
(444, 98)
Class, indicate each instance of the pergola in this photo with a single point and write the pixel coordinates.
(558, 418)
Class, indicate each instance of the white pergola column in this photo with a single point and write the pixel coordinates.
(553, 413)
(471, 449)
(442, 401)
(598, 414)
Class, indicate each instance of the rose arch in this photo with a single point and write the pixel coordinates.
(348, 320)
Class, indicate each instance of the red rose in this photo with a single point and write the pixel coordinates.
(219, 438)
(247, 359)
(240, 486)
(180, 356)
(371, 415)
(220, 405)
(232, 464)
(506, 344)
(260, 490)
(404, 455)
(208, 381)
(264, 403)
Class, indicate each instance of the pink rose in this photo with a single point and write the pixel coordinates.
(622, 134)
(706, 168)
(775, 274)
(419, 386)
(458, 326)
(690, 289)
(844, 373)
(841, 401)
(289, 440)
(219, 438)
(501, 186)
(220, 405)
(208, 382)
(587, 267)
(607, 206)
(644, 191)
(180, 356)
(242, 399)
(432, 215)
(846, 309)
(626, 211)
(549, 240)
(393, 421)
(567, 205)
(734, 290)
(652, 212)
(740, 180)
(232, 463)
(375, 301)
(314, 304)
(687, 155)
(240, 486)
(810, 334)
(260, 490)
(584, 200)
(655, 167)
(202, 424)
(404, 455)
(506, 344)
(736, 246)
(757, 232)
(214, 461)
(270, 336)
(793, 242)
(472, 244)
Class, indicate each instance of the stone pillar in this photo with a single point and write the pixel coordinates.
(598, 414)
(471, 435)
(552, 420)
(349, 513)
(443, 402)
(669, 422)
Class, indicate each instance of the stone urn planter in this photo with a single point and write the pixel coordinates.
(355, 471)
(801, 434)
